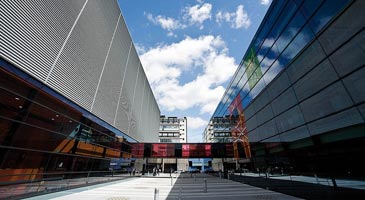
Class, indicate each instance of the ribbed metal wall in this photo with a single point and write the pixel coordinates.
(32, 32)
(83, 50)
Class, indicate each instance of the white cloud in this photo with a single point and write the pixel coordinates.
(165, 64)
(140, 48)
(196, 123)
(238, 19)
(265, 2)
(241, 19)
(197, 14)
(166, 23)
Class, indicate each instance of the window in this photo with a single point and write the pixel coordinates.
(325, 13)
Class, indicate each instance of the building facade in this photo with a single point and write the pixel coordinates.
(296, 101)
(73, 90)
(173, 129)
(218, 130)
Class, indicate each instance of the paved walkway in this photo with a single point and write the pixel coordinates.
(354, 184)
(183, 187)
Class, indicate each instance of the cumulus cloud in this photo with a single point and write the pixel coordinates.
(197, 14)
(166, 23)
(196, 123)
(165, 64)
(191, 15)
(265, 2)
(238, 19)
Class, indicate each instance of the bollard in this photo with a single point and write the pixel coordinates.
(171, 180)
(148, 173)
(156, 196)
(205, 186)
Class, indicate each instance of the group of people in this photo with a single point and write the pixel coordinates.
(156, 171)
(132, 171)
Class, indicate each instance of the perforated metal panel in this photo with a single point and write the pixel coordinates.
(123, 116)
(77, 72)
(106, 99)
(32, 32)
(83, 50)
(138, 99)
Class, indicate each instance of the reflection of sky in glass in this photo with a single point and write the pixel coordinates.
(303, 38)
(328, 9)
(286, 39)
(273, 71)
(257, 89)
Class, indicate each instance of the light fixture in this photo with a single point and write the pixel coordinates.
(17, 98)
(52, 119)
(20, 106)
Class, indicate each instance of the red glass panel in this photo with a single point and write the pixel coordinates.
(137, 150)
(229, 150)
(185, 150)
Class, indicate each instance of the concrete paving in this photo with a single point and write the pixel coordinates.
(354, 184)
(183, 187)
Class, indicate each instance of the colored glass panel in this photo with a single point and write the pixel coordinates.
(252, 64)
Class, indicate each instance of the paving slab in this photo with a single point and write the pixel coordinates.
(182, 187)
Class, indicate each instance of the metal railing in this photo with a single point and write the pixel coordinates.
(304, 185)
(16, 186)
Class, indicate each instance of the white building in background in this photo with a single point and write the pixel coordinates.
(172, 129)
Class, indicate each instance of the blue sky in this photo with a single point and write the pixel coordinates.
(190, 50)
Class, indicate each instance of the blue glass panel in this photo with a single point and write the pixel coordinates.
(238, 76)
(270, 19)
(286, 15)
(258, 87)
(300, 41)
(288, 34)
(274, 70)
(326, 12)
(281, 22)
(309, 6)
(246, 100)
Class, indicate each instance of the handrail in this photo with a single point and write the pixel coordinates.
(63, 173)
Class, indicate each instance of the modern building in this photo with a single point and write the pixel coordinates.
(218, 130)
(296, 101)
(173, 129)
(73, 91)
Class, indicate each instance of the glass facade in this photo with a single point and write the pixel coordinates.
(291, 103)
(42, 133)
(184, 150)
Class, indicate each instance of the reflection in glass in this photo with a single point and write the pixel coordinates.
(327, 10)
